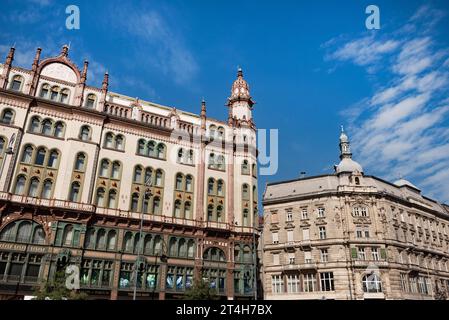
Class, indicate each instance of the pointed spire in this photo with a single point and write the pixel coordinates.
(84, 73)
(10, 56)
(36, 59)
(105, 84)
(65, 50)
(239, 72)
(203, 108)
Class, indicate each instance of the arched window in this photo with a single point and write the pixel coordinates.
(67, 237)
(157, 245)
(35, 125)
(159, 178)
(187, 210)
(254, 169)
(245, 218)
(39, 235)
(211, 162)
(180, 158)
(109, 140)
(220, 214)
(214, 254)
(221, 162)
(212, 131)
(53, 159)
(112, 199)
(34, 185)
(172, 247)
(101, 240)
(20, 185)
(44, 91)
(100, 197)
(80, 162)
(357, 181)
(46, 189)
(148, 176)
(59, 130)
(147, 244)
(2, 145)
(190, 157)
(221, 133)
(161, 151)
(89, 239)
(137, 248)
(91, 101)
(137, 174)
(220, 188)
(182, 248)
(128, 242)
(189, 183)
(141, 147)
(179, 179)
(190, 248)
(372, 283)
(115, 170)
(24, 232)
(254, 194)
(247, 256)
(7, 116)
(27, 154)
(245, 167)
(64, 98)
(210, 213)
(85, 133)
(177, 209)
(40, 156)
(74, 192)
(46, 127)
(112, 239)
(104, 168)
(245, 192)
(119, 142)
(16, 83)
(156, 205)
(135, 202)
(210, 186)
(54, 93)
(151, 148)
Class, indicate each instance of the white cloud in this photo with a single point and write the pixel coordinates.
(403, 127)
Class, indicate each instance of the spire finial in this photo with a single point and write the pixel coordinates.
(342, 129)
(65, 50)
(239, 72)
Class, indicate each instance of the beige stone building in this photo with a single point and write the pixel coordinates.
(82, 167)
(349, 235)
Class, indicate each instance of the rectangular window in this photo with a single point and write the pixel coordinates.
(322, 233)
(304, 214)
(275, 258)
(375, 253)
(293, 283)
(275, 236)
(277, 284)
(366, 233)
(404, 286)
(321, 212)
(361, 253)
(289, 215)
(274, 217)
(324, 255)
(309, 282)
(305, 234)
(308, 256)
(358, 233)
(291, 258)
(327, 281)
(413, 285)
(290, 235)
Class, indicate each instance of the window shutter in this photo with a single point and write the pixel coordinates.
(383, 253)
(354, 253)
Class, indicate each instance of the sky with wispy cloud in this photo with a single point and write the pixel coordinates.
(312, 66)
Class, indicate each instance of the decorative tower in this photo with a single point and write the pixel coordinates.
(104, 92)
(7, 68)
(31, 89)
(240, 103)
(345, 150)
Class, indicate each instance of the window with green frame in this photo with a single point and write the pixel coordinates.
(67, 234)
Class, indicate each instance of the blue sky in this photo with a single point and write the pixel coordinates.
(312, 66)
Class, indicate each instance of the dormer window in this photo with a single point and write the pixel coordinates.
(90, 101)
(16, 83)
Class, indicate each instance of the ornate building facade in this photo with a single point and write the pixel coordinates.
(137, 195)
(349, 235)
